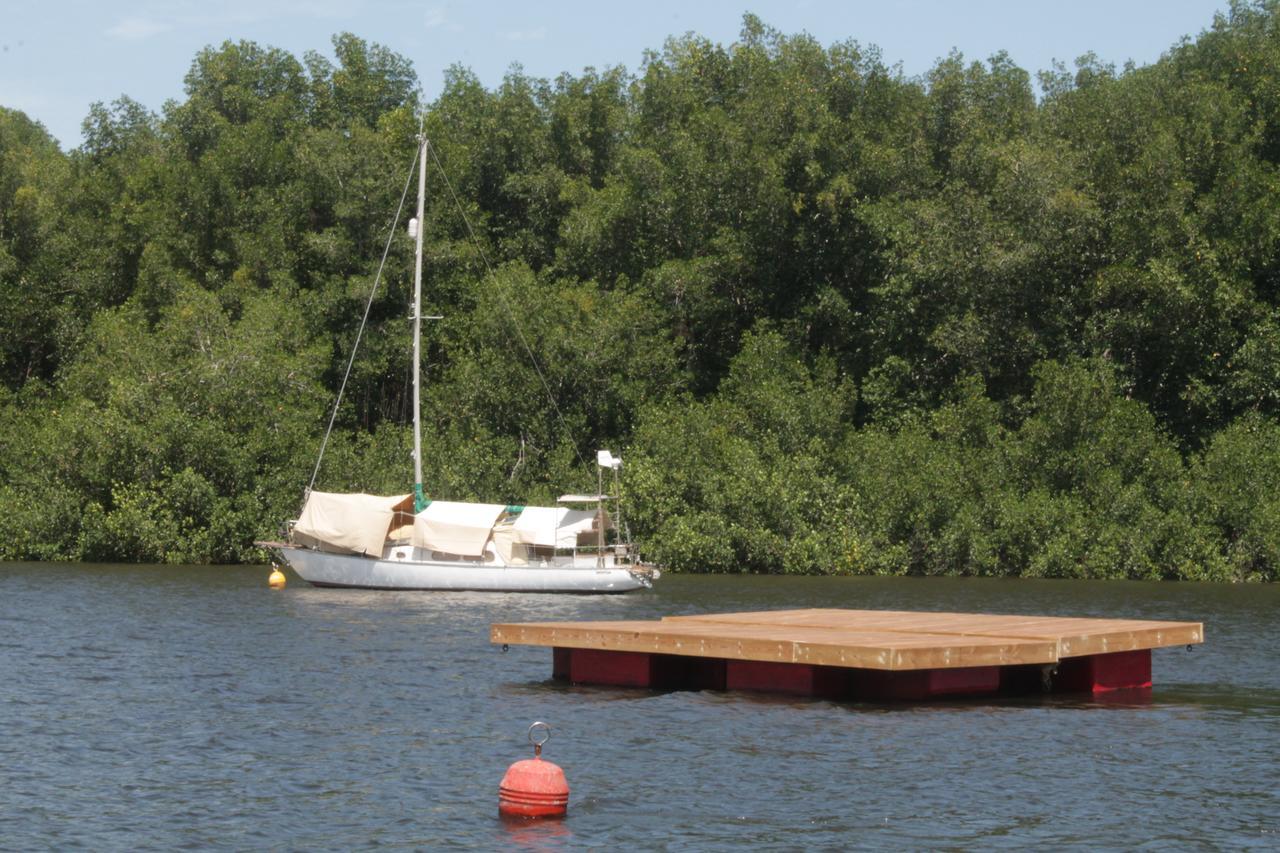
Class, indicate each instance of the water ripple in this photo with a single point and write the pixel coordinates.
(162, 708)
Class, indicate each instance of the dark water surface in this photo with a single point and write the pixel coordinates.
(161, 708)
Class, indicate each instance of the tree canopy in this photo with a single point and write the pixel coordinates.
(838, 319)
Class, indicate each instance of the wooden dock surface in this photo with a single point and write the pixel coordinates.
(863, 639)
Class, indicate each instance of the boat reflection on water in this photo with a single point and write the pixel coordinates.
(484, 607)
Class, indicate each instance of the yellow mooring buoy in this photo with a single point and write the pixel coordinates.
(276, 579)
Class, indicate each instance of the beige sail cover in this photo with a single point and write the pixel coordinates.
(511, 552)
(355, 523)
(552, 526)
(455, 527)
(576, 522)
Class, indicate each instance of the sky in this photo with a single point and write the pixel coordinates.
(57, 58)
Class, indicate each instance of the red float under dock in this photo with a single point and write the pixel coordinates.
(875, 655)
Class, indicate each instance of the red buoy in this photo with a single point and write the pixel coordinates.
(534, 788)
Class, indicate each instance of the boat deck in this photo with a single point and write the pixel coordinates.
(872, 653)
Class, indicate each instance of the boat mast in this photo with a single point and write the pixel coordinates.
(419, 499)
(599, 517)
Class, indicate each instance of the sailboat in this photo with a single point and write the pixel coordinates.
(410, 542)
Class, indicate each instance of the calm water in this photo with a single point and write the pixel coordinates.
(161, 708)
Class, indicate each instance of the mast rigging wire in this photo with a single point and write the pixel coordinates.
(377, 279)
(502, 300)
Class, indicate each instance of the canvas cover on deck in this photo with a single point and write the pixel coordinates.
(552, 526)
(456, 528)
(509, 551)
(355, 523)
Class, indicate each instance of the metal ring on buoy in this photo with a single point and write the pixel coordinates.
(537, 744)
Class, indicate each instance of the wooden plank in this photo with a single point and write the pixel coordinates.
(1074, 636)
(888, 650)
(868, 639)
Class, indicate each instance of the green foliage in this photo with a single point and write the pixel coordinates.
(839, 320)
(741, 482)
(1087, 485)
(180, 443)
(33, 176)
(598, 354)
(1238, 491)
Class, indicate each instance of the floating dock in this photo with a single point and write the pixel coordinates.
(873, 655)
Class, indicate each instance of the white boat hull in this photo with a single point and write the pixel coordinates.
(324, 569)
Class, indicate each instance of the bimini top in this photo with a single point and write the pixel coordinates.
(552, 526)
(455, 527)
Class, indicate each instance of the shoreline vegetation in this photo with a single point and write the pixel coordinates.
(839, 320)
